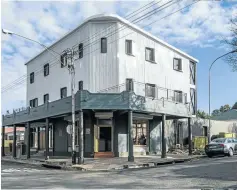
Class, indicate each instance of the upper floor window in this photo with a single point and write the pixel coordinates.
(32, 77)
(177, 64)
(63, 92)
(46, 98)
(150, 54)
(103, 45)
(151, 90)
(46, 69)
(178, 96)
(34, 102)
(63, 60)
(80, 85)
(80, 50)
(128, 47)
(192, 67)
(193, 100)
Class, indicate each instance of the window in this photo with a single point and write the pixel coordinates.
(80, 85)
(46, 98)
(178, 95)
(193, 100)
(32, 77)
(80, 50)
(150, 90)
(34, 102)
(128, 47)
(192, 67)
(63, 60)
(46, 69)
(139, 132)
(103, 45)
(150, 54)
(10, 137)
(177, 64)
(63, 92)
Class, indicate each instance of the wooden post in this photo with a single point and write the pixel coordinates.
(3, 140)
(47, 139)
(190, 149)
(28, 140)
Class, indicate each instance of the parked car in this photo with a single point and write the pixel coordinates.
(221, 146)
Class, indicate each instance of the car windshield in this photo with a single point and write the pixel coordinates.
(222, 140)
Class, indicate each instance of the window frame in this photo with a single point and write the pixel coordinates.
(126, 47)
(179, 62)
(61, 90)
(152, 50)
(192, 70)
(175, 97)
(46, 95)
(46, 69)
(101, 44)
(153, 90)
(34, 103)
(32, 77)
(62, 59)
(80, 51)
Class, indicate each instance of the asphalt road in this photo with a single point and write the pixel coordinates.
(204, 173)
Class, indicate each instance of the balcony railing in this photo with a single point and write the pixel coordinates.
(156, 92)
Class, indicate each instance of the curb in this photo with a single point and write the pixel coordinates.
(119, 168)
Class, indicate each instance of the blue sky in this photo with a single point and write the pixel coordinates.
(197, 31)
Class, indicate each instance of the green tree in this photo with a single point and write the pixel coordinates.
(231, 59)
(202, 114)
(235, 106)
(224, 108)
(215, 112)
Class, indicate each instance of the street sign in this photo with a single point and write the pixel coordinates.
(69, 129)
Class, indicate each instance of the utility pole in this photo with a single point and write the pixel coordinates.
(71, 68)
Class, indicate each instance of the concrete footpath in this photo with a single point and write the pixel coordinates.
(106, 164)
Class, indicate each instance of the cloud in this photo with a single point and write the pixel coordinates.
(202, 25)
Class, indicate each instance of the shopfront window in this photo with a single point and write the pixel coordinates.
(139, 132)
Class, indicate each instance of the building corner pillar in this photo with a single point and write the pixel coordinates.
(163, 137)
(130, 137)
(190, 147)
(46, 138)
(28, 140)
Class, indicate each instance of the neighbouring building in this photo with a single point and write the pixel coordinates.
(128, 83)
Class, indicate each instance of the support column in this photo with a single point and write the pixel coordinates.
(14, 142)
(38, 138)
(163, 137)
(130, 137)
(28, 140)
(46, 138)
(3, 140)
(81, 140)
(190, 147)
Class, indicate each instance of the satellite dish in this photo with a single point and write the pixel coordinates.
(69, 129)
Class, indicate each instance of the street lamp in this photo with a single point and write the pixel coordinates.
(72, 72)
(209, 135)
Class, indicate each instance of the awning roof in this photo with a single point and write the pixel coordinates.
(230, 115)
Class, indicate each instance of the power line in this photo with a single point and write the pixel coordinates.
(151, 23)
(5, 88)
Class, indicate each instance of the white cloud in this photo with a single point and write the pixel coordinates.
(202, 25)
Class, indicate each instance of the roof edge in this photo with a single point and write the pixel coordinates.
(116, 17)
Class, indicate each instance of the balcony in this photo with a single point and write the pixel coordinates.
(144, 99)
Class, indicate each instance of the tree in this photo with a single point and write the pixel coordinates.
(231, 59)
(215, 112)
(202, 114)
(235, 106)
(224, 108)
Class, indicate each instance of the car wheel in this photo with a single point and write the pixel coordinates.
(231, 153)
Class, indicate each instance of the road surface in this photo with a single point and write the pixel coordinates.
(204, 173)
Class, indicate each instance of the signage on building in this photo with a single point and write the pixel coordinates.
(69, 129)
